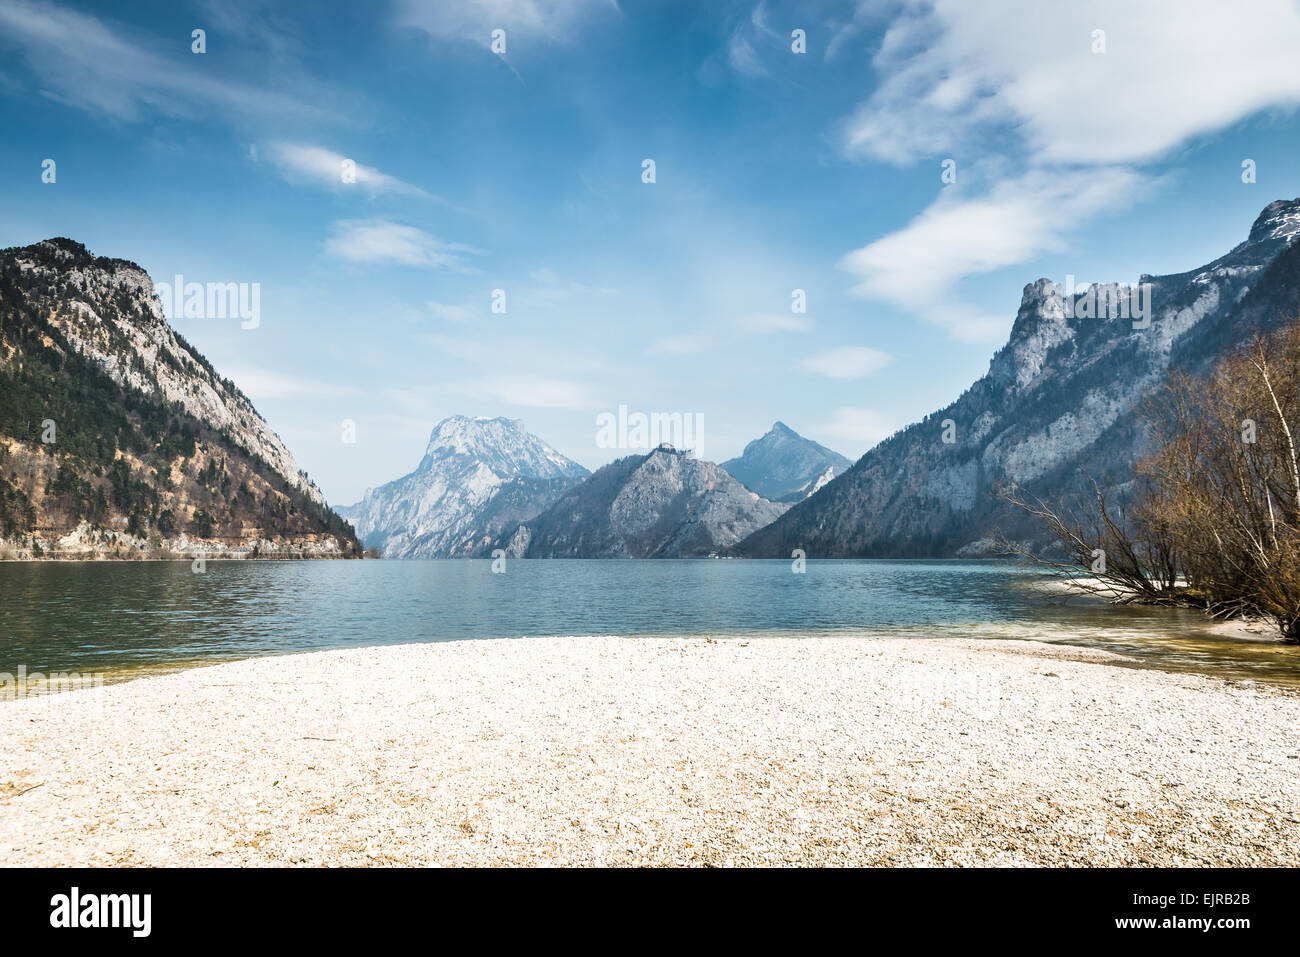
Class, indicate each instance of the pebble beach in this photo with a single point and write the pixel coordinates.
(658, 751)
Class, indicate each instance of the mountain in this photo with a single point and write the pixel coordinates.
(1059, 404)
(117, 438)
(783, 466)
(661, 505)
(478, 478)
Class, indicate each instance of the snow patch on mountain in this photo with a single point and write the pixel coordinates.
(478, 477)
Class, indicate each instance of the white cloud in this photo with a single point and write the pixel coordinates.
(464, 349)
(918, 266)
(743, 58)
(324, 167)
(387, 243)
(846, 362)
(766, 323)
(1172, 70)
(865, 427)
(532, 391)
(449, 312)
(751, 36)
(80, 60)
(683, 345)
(1018, 83)
(258, 384)
(474, 20)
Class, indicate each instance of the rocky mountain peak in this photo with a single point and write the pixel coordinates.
(1040, 325)
(502, 445)
(782, 465)
(478, 476)
(1279, 220)
(1059, 407)
(663, 504)
(462, 433)
(108, 311)
(140, 414)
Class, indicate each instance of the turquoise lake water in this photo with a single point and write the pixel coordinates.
(126, 618)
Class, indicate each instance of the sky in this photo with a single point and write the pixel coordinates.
(382, 170)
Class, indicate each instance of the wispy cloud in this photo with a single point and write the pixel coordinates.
(549, 289)
(863, 427)
(919, 266)
(846, 362)
(80, 60)
(688, 344)
(532, 391)
(383, 242)
(258, 383)
(304, 162)
(954, 72)
(1020, 83)
(554, 20)
(451, 313)
(766, 323)
(464, 349)
(750, 39)
(742, 56)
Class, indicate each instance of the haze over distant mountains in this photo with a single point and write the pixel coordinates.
(1058, 405)
(783, 466)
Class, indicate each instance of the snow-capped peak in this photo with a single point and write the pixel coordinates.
(1279, 220)
(502, 445)
(478, 475)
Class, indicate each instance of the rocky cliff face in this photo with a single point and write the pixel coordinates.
(118, 438)
(783, 466)
(1058, 405)
(479, 478)
(661, 505)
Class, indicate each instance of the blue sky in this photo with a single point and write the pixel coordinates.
(775, 171)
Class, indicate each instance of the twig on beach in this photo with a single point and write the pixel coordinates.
(32, 788)
(309, 738)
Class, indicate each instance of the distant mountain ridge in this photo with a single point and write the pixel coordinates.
(664, 504)
(478, 478)
(117, 438)
(1058, 404)
(783, 466)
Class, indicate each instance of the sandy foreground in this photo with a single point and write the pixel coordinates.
(616, 751)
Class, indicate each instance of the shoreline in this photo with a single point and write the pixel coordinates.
(1153, 658)
(818, 750)
(1241, 629)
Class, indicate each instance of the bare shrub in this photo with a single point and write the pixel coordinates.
(1212, 519)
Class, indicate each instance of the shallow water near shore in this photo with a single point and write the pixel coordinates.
(126, 619)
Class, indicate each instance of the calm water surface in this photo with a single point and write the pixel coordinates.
(125, 618)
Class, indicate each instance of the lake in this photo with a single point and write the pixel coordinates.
(123, 619)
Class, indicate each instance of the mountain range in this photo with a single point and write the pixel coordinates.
(485, 484)
(664, 504)
(478, 478)
(117, 438)
(1057, 408)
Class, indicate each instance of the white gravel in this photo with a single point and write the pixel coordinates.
(826, 750)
